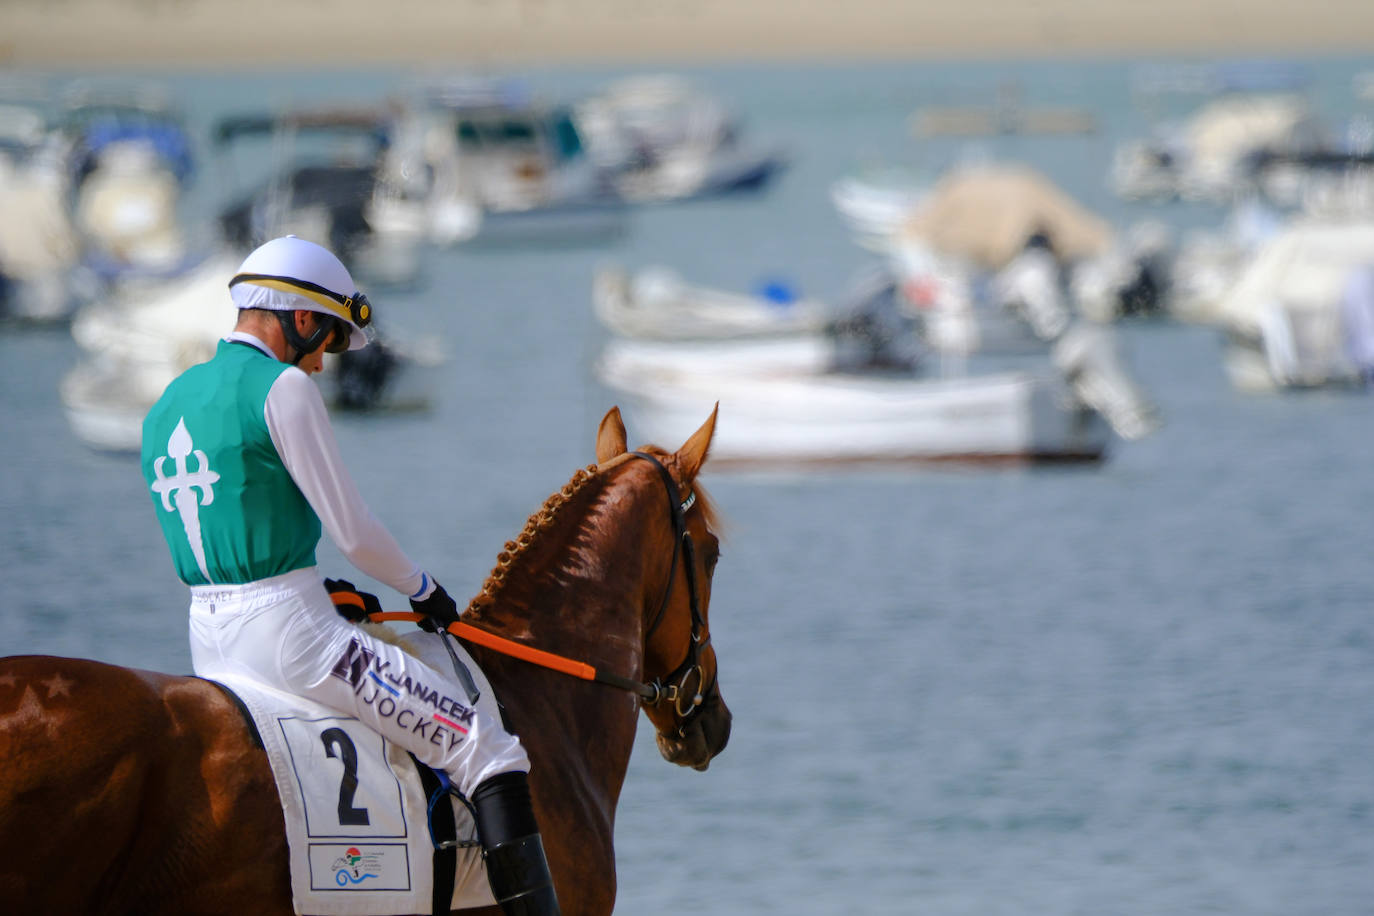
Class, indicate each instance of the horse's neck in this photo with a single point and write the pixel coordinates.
(577, 589)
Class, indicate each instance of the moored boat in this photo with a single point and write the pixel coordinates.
(836, 418)
(792, 404)
(135, 346)
(656, 303)
(661, 139)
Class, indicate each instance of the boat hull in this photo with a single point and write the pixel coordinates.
(834, 419)
(572, 224)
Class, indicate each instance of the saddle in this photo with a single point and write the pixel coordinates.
(371, 831)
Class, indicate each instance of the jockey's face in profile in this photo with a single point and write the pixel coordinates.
(335, 340)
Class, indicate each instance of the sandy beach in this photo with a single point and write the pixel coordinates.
(142, 34)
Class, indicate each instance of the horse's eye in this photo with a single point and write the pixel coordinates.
(711, 561)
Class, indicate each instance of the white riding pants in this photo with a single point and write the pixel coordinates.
(284, 632)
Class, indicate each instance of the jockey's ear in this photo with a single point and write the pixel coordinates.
(692, 455)
(610, 436)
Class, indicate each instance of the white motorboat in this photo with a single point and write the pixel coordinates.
(105, 401)
(129, 157)
(795, 354)
(662, 139)
(833, 418)
(788, 405)
(1209, 261)
(875, 204)
(520, 161)
(1210, 156)
(960, 316)
(1289, 317)
(346, 197)
(100, 410)
(1042, 254)
(655, 307)
(656, 303)
(135, 346)
(39, 245)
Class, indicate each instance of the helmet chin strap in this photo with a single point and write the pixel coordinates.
(294, 340)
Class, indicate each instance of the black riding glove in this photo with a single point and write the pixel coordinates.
(351, 603)
(438, 610)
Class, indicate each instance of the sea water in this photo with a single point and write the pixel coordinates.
(1142, 687)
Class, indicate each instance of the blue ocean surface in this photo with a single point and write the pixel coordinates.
(1143, 687)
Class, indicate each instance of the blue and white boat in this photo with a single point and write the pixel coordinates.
(662, 139)
(518, 160)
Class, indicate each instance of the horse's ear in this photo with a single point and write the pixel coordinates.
(610, 436)
(692, 455)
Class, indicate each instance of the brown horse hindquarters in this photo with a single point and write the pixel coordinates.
(131, 792)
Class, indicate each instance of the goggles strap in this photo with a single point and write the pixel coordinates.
(302, 345)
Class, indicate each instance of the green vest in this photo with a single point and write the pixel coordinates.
(229, 510)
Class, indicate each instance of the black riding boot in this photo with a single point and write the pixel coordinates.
(516, 867)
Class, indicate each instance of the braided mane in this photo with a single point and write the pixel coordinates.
(539, 522)
(576, 494)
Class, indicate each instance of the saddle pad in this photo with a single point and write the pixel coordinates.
(356, 814)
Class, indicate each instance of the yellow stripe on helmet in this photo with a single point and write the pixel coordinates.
(286, 286)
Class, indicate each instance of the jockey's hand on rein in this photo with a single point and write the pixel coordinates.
(346, 596)
(438, 610)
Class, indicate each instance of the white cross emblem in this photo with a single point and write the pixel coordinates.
(182, 488)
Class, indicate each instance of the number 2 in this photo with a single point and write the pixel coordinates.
(333, 738)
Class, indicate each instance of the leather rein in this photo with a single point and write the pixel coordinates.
(672, 687)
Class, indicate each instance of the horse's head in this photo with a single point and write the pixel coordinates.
(691, 718)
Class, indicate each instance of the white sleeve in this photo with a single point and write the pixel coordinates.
(300, 429)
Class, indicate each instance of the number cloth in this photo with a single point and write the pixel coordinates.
(355, 809)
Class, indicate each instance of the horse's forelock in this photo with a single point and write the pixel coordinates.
(709, 513)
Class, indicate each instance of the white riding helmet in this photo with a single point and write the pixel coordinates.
(290, 273)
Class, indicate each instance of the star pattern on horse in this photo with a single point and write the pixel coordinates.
(30, 712)
(58, 686)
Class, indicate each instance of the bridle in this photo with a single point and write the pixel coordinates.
(673, 686)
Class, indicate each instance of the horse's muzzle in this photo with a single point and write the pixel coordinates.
(702, 739)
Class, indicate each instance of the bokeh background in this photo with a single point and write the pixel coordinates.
(1138, 685)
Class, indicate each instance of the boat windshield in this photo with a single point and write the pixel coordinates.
(567, 140)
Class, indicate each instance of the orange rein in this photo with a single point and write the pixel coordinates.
(581, 670)
(500, 644)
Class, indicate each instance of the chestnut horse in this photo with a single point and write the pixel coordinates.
(130, 792)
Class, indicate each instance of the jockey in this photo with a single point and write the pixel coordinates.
(245, 472)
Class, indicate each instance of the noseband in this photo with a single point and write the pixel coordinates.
(672, 687)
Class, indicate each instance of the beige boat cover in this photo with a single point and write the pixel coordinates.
(1225, 130)
(986, 214)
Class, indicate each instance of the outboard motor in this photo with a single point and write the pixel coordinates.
(1088, 357)
(1132, 279)
(363, 376)
(873, 333)
(1030, 286)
